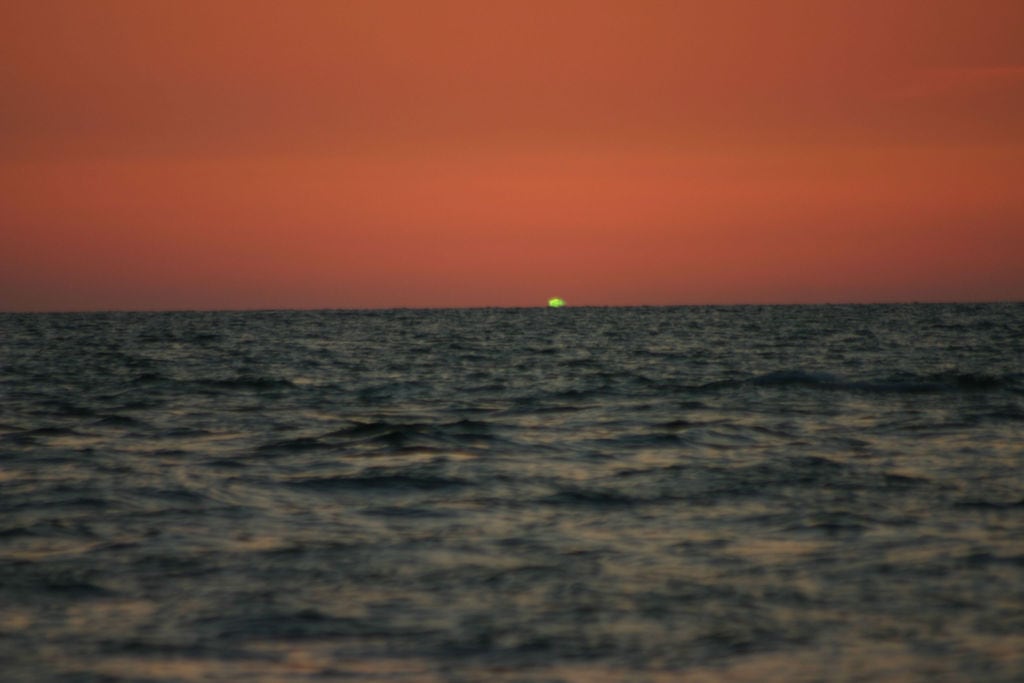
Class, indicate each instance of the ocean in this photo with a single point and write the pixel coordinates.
(710, 494)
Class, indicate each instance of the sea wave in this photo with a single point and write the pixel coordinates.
(720, 493)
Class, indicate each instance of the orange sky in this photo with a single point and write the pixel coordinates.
(181, 154)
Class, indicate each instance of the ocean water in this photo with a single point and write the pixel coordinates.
(805, 493)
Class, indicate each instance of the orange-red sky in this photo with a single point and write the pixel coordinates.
(181, 154)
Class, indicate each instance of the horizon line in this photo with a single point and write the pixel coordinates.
(482, 308)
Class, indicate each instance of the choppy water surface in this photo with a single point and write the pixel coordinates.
(654, 494)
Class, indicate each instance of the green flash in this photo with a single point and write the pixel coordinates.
(556, 302)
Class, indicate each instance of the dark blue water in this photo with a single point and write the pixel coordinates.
(814, 493)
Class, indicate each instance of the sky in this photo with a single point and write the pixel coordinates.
(239, 154)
